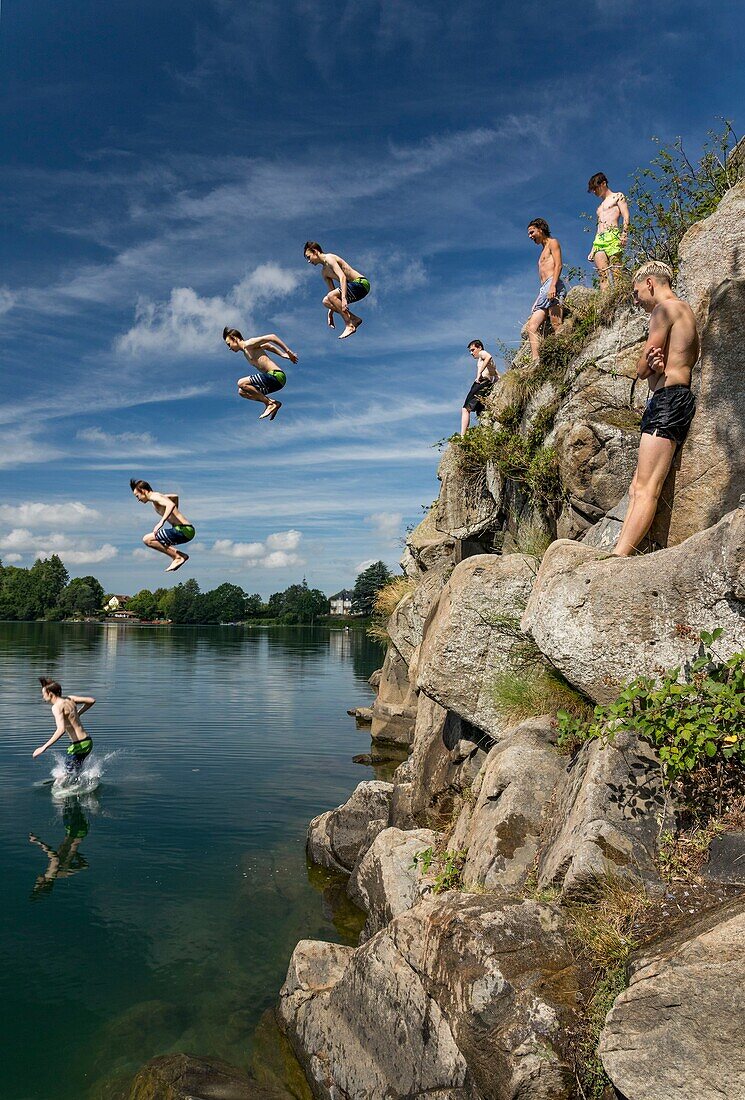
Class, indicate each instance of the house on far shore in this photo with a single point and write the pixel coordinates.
(116, 607)
(341, 603)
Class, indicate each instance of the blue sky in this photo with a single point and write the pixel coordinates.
(163, 164)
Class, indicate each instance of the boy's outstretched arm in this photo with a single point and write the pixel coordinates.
(276, 344)
(55, 737)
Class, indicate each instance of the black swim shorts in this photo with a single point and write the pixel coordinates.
(476, 394)
(669, 413)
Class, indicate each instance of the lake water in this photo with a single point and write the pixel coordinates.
(182, 885)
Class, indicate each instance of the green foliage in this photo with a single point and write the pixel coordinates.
(532, 689)
(35, 593)
(520, 456)
(448, 867)
(673, 193)
(367, 586)
(298, 604)
(694, 717)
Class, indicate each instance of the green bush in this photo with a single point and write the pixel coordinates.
(694, 718)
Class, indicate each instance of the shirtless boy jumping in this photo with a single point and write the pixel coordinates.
(353, 286)
(486, 376)
(610, 239)
(552, 290)
(164, 538)
(267, 376)
(666, 361)
(67, 713)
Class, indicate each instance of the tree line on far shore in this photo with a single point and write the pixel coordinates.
(45, 591)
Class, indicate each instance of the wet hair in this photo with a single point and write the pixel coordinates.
(145, 486)
(541, 224)
(313, 246)
(51, 685)
(231, 332)
(654, 269)
(596, 180)
(476, 344)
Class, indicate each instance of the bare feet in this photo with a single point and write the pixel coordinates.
(351, 328)
(331, 319)
(177, 563)
(271, 410)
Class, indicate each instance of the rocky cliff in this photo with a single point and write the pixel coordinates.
(497, 867)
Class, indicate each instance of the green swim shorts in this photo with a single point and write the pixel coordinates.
(608, 242)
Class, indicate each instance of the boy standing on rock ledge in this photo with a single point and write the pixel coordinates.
(666, 361)
(552, 292)
(486, 376)
(610, 238)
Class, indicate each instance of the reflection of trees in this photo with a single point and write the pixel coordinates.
(65, 860)
(45, 643)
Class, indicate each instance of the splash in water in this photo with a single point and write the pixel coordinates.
(65, 785)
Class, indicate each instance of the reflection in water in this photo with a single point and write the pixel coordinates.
(65, 860)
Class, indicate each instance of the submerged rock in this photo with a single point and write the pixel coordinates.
(337, 838)
(603, 621)
(184, 1077)
(677, 1030)
(461, 998)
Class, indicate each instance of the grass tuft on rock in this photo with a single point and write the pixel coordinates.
(385, 603)
(535, 689)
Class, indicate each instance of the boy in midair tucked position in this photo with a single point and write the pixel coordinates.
(267, 377)
(164, 538)
(486, 376)
(610, 238)
(666, 361)
(353, 286)
(67, 713)
(552, 293)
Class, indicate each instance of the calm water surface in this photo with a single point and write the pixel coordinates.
(171, 924)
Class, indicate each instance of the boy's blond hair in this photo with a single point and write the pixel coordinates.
(654, 269)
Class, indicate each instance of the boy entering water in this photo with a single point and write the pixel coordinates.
(67, 713)
(353, 286)
(267, 377)
(163, 538)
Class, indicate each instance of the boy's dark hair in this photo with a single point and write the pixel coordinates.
(314, 246)
(476, 344)
(51, 685)
(231, 332)
(596, 180)
(140, 484)
(542, 224)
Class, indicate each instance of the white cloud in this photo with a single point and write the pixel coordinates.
(363, 565)
(7, 300)
(187, 322)
(387, 524)
(142, 554)
(121, 445)
(72, 551)
(274, 553)
(12, 559)
(71, 513)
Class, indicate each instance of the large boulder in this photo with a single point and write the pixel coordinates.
(184, 1077)
(606, 817)
(461, 998)
(337, 838)
(406, 625)
(427, 548)
(446, 757)
(677, 1030)
(711, 252)
(501, 824)
(394, 709)
(602, 621)
(389, 879)
(466, 506)
(465, 641)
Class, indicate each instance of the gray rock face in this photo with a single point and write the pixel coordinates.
(394, 709)
(677, 1030)
(446, 758)
(427, 548)
(461, 998)
(578, 595)
(501, 826)
(466, 507)
(726, 859)
(406, 624)
(337, 838)
(463, 648)
(387, 881)
(712, 251)
(606, 817)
